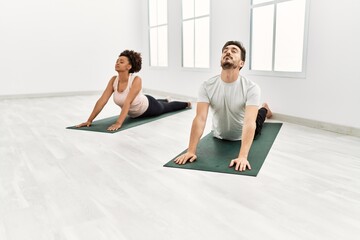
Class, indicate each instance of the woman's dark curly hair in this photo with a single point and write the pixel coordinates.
(134, 60)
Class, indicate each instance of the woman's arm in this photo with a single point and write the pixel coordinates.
(101, 102)
(135, 88)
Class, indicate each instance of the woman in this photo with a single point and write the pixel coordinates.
(127, 90)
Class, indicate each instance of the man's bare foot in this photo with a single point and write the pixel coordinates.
(269, 113)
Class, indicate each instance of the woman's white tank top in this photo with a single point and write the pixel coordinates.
(138, 105)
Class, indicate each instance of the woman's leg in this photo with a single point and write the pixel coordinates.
(158, 107)
(174, 106)
(155, 107)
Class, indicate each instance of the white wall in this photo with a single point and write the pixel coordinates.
(227, 22)
(327, 94)
(49, 46)
(70, 46)
(329, 91)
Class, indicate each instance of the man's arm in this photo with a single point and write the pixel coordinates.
(248, 133)
(197, 130)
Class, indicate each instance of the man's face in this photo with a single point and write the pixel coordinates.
(231, 57)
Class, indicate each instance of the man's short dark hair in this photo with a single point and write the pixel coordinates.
(238, 44)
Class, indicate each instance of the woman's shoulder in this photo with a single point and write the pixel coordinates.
(112, 79)
(134, 78)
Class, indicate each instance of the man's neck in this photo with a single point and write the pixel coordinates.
(230, 75)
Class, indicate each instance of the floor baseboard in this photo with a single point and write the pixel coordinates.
(43, 95)
(318, 124)
(172, 95)
(276, 116)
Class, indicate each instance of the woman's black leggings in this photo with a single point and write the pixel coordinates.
(160, 106)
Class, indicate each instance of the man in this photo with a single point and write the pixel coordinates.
(234, 101)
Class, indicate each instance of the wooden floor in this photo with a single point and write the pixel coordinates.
(58, 184)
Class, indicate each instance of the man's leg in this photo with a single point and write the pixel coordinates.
(263, 113)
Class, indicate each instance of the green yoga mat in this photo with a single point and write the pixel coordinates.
(103, 124)
(214, 155)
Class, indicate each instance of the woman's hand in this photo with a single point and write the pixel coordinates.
(114, 127)
(84, 124)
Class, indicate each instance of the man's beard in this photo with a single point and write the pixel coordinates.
(228, 65)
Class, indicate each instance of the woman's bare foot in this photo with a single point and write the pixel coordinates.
(189, 105)
(269, 113)
(168, 98)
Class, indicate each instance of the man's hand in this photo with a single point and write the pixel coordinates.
(183, 158)
(114, 127)
(240, 164)
(84, 124)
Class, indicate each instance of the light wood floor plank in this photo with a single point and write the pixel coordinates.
(59, 184)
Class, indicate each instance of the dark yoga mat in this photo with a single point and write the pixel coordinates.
(214, 155)
(103, 124)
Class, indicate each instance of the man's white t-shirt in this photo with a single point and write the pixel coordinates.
(228, 102)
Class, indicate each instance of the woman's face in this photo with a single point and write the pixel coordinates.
(122, 64)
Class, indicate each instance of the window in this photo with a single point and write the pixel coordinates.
(196, 33)
(278, 37)
(158, 32)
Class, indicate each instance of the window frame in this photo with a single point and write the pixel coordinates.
(194, 18)
(157, 26)
(272, 72)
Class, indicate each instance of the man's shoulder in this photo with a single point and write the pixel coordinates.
(211, 81)
(247, 83)
(246, 80)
